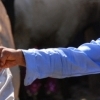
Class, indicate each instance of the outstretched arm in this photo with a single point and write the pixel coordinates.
(54, 62)
(62, 62)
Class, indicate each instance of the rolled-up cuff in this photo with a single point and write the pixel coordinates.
(31, 68)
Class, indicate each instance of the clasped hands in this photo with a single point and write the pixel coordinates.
(11, 57)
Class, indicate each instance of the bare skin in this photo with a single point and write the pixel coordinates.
(11, 57)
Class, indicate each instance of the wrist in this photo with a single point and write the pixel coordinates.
(21, 59)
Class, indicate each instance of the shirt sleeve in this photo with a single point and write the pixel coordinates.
(62, 62)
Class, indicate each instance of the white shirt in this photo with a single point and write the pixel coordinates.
(6, 87)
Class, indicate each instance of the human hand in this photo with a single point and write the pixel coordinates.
(11, 57)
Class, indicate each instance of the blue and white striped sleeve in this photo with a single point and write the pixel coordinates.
(62, 62)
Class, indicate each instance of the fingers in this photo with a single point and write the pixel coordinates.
(8, 57)
(8, 64)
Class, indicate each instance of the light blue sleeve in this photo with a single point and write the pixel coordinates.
(62, 62)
